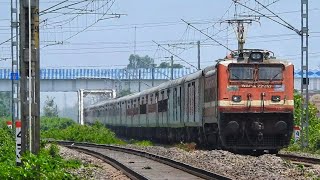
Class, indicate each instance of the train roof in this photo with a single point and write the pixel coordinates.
(207, 71)
(160, 87)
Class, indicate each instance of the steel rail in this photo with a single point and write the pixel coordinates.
(296, 158)
(178, 165)
(124, 169)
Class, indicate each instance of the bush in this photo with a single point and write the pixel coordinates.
(47, 123)
(314, 126)
(46, 165)
(84, 133)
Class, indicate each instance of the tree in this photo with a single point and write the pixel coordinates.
(135, 61)
(50, 109)
(168, 65)
(5, 104)
(314, 121)
(124, 93)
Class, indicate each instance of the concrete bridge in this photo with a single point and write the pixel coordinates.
(71, 80)
(64, 84)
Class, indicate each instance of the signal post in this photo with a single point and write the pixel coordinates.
(29, 76)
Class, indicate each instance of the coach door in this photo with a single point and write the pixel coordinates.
(135, 115)
(152, 108)
(189, 102)
(176, 105)
(165, 108)
(122, 112)
(143, 111)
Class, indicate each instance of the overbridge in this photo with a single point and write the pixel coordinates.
(65, 83)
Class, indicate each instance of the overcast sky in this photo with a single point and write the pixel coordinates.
(109, 42)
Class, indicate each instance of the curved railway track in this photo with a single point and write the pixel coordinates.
(299, 159)
(142, 165)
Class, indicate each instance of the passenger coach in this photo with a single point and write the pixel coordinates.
(244, 102)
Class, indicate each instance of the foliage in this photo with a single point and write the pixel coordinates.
(50, 109)
(55, 123)
(123, 93)
(48, 164)
(84, 133)
(187, 146)
(5, 104)
(168, 65)
(136, 61)
(143, 143)
(314, 125)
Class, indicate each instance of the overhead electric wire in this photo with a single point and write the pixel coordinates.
(289, 25)
(174, 54)
(207, 35)
(55, 5)
(285, 25)
(44, 11)
(92, 23)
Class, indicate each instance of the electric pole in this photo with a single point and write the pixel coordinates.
(29, 73)
(139, 80)
(304, 33)
(153, 66)
(171, 67)
(15, 64)
(198, 55)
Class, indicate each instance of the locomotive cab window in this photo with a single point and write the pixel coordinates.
(270, 72)
(241, 72)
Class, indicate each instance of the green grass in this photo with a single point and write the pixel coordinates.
(83, 133)
(143, 143)
(186, 146)
(48, 164)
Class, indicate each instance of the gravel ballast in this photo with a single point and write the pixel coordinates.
(218, 161)
(236, 166)
(93, 168)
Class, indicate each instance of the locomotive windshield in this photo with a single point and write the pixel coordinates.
(270, 72)
(241, 72)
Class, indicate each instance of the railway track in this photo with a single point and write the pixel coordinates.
(299, 159)
(142, 165)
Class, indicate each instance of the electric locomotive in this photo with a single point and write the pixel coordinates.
(255, 103)
(244, 102)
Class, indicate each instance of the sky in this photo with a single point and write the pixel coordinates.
(70, 39)
(109, 42)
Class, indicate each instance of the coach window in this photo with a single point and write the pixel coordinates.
(143, 107)
(165, 105)
(150, 99)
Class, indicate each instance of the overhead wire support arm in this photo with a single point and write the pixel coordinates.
(288, 25)
(189, 24)
(174, 54)
(263, 15)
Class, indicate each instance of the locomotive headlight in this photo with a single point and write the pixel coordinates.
(256, 57)
(236, 98)
(275, 98)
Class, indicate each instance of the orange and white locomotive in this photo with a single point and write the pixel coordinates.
(244, 102)
(253, 101)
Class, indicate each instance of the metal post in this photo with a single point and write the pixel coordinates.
(171, 67)
(80, 110)
(129, 79)
(139, 80)
(30, 72)
(199, 55)
(153, 66)
(15, 64)
(304, 71)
